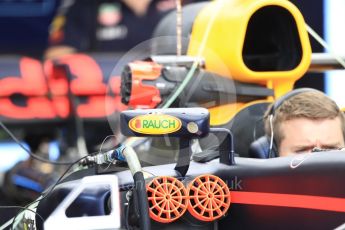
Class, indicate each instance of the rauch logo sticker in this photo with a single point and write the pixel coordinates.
(155, 124)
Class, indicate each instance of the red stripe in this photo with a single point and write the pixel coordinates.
(289, 200)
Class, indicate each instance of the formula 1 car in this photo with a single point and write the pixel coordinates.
(189, 167)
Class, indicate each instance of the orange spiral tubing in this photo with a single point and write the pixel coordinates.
(167, 198)
(209, 197)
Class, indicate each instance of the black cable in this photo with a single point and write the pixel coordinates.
(71, 164)
(33, 155)
(52, 187)
(74, 101)
(143, 205)
(62, 176)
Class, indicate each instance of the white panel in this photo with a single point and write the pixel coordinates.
(335, 37)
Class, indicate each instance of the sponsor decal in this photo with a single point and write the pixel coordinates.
(109, 18)
(155, 124)
(37, 102)
(56, 31)
(109, 14)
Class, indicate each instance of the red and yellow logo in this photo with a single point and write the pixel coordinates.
(155, 124)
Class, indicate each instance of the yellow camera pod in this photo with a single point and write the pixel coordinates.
(263, 42)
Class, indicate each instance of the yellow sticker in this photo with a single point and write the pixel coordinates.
(58, 23)
(155, 124)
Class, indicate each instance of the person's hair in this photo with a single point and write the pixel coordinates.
(312, 105)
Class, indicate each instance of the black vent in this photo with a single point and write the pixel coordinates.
(272, 41)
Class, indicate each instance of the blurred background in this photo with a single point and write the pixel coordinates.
(45, 29)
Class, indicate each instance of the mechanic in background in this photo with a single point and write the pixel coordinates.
(304, 122)
(114, 26)
(105, 25)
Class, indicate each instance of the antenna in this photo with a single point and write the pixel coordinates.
(178, 27)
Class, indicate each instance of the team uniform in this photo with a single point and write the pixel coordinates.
(105, 25)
